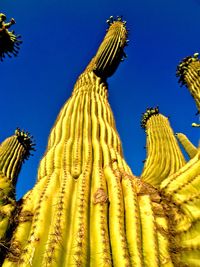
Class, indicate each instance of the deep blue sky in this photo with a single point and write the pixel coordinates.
(60, 37)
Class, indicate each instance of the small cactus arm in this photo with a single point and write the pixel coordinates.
(190, 149)
(195, 124)
(13, 151)
(87, 208)
(9, 42)
(164, 156)
(188, 72)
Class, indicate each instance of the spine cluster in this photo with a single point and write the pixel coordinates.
(9, 42)
(188, 72)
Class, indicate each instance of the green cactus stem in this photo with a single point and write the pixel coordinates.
(13, 151)
(111, 50)
(190, 149)
(87, 209)
(164, 156)
(9, 42)
(180, 196)
(195, 124)
(188, 72)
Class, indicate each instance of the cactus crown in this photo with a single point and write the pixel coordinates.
(111, 51)
(147, 114)
(9, 42)
(182, 68)
(26, 140)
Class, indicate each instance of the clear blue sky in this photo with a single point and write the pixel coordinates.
(60, 37)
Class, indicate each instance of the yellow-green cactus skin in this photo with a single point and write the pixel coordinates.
(13, 151)
(188, 72)
(190, 149)
(9, 42)
(87, 209)
(164, 156)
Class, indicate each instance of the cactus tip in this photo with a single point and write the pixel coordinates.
(9, 41)
(182, 68)
(26, 139)
(195, 124)
(148, 113)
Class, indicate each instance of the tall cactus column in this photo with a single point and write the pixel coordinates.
(72, 191)
(13, 151)
(164, 156)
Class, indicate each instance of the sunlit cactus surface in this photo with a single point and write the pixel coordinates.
(87, 208)
(188, 72)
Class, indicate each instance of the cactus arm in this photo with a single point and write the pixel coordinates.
(195, 124)
(13, 151)
(163, 154)
(182, 191)
(7, 208)
(190, 149)
(188, 72)
(175, 181)
(9, 42)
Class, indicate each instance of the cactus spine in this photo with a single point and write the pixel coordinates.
(87, 208)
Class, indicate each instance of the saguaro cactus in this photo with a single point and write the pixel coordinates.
(13, 151)
(87, 208)
(190, 149)
(188, 72)
(164, 156)
(9, 42)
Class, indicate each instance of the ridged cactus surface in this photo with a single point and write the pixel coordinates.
(13, 151)
(164, 156)
(188, 72)
(87, 208)
(190, 149)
